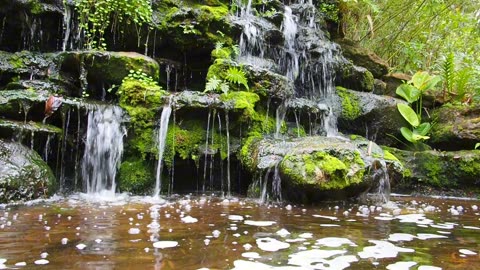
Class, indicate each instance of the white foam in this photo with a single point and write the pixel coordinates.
(326, 217)
(189, 219)
(259, 223)
(235, 217)
(401, 265)
(306, 235)
(41, 262)
(426, 236)
(21, 264)
(317, 257)
(134, 231)
(428, 267)
(165, 244)
(81, 246)
(382, 249)
(251, 255)
(283, 233)
(397, 237)
(467, 252)
(271, 244)
(335, 242)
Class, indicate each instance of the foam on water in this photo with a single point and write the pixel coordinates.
(165, 244)
(259, 223)
(271, 244)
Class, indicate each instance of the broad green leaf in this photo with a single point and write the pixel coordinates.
(423, 81)
(408, 92)
(407, 134)
(477, 145)
(423, 129)
(408, 114)
(418, 137)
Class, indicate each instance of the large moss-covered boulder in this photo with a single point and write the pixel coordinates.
(364, 58)
(440, 171)
(370, 115)
(314, 168)
(457, 127)
(23, 174)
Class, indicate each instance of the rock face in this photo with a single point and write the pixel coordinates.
(457, 127)
(23, 174)
(370, 115)
(314, 168)
(364, 58)
(438, 170)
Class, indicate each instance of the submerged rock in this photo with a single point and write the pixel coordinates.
(23, 174)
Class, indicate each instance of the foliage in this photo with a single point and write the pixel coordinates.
(457, 80)
(94, 15)
(412, 92)
(477, 145)
(420, 35)
(234, 75)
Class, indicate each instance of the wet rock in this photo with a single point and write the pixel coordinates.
(23, 174)
(379, 87)
(312, 167)
(394, 80)
(355, 78)
(457, 127)
(438, 170)
(371, 115)
(364, 58)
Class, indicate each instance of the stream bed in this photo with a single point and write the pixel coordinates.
(210, 232)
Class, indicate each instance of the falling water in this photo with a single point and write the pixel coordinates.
(280, 116)
(380, 177)
(103, 148)
(162, 136)
(67, 18)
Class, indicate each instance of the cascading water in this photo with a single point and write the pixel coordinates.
(162, 136)
(103, 149)
(379, 176)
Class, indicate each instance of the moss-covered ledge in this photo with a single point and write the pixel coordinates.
(438, 172)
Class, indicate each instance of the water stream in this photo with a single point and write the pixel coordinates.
(103, 149)
(162, 136)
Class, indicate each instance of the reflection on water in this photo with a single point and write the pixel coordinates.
(216, 233)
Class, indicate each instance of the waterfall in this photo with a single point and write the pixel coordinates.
(380, 177)
(306, 56)
(103, 148)
(67, 18)
(162, 136)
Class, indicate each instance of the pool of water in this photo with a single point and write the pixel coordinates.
(194, 232)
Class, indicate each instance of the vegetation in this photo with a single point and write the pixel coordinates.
(95, 13)
(437, 36)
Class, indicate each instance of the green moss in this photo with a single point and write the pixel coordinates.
(135, 176)
(140, 101)
(248, 153)
(350, 107)
(242, 100)
(299, 131)
(324, 170)
(389, 156)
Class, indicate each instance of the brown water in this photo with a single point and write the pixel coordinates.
(120, 235)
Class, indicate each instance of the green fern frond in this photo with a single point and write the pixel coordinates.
(212, 84)
(224, 87)
(448, 72)
(237, 76)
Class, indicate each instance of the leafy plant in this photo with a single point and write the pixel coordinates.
(477, 145)
(233, 75)
(237, 76)
(96, 16)
(412, 92)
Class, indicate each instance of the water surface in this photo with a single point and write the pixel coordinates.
(216, 233)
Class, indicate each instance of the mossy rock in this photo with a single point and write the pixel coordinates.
(322, 170)
(364, 58)
(108, 68)
(136, 176)
(355, 78)
(456, 127)
(439, 170)
(23, 174)
(141, 101)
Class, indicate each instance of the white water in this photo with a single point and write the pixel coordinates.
(162, 136)
(103, 149)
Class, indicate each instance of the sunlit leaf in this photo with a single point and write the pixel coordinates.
(408, 92)
(408, 114)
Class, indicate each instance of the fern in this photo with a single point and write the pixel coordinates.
(237, 76)
(212, 84)
(224, 87)
(448, 74)
(236, 51)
